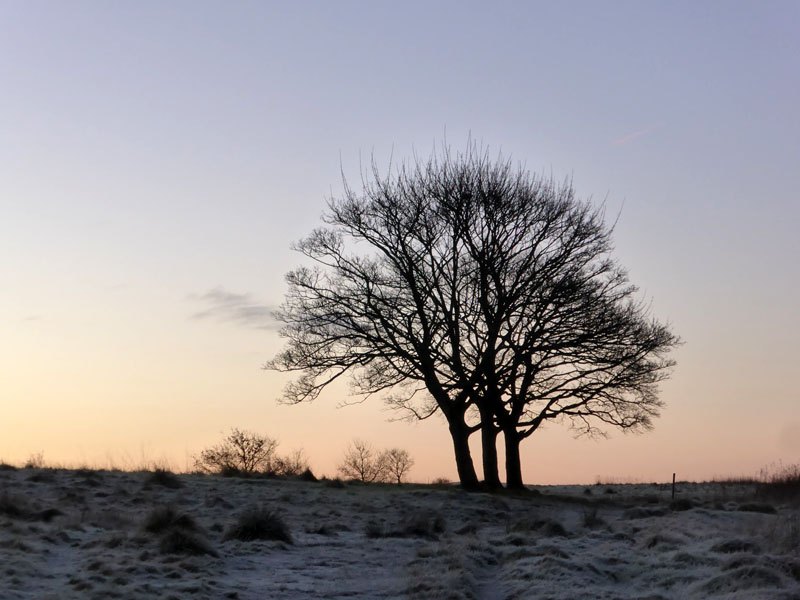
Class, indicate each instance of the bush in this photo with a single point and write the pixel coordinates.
(292, 465)
(259, 523)
(307, 475)
(241, 451)
(244, 453)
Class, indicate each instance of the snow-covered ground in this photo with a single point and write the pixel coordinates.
(83, 534)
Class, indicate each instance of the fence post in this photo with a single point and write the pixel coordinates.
(673, 486)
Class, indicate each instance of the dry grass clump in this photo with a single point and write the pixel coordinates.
(422, 524)
(425, 524)
(743, 578)
(590, 519)
(545, 527)
(447, 570)
(178, 532)
(259, 523)
(181, 541)
(758, 507)
(163, 518)
(163, 478)
(681, 504)
(780, 483)
(736, 545)
(13, 506)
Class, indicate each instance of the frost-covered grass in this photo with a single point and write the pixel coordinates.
(103, 534)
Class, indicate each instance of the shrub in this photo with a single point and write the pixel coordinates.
(291, 465)
(241, 451)
(259, 523)
(307, 475)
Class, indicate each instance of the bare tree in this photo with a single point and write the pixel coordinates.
(242, 451)
(398, 463)
(490, 297)
(361, 462)
(291, 465)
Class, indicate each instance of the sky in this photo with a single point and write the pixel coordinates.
(158, 159)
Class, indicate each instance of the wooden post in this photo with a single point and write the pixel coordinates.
(673, 486)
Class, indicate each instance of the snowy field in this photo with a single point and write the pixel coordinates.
(100, 534)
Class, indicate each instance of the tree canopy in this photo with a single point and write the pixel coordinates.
(470, 287)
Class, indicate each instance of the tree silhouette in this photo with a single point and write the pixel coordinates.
(486, 294)
(398, 463)
(362, 463)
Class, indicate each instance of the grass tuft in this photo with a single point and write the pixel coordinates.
(163, 518)
(163, 478)
(758, 507)
(259, 523)
(181, 541)
(13, 506)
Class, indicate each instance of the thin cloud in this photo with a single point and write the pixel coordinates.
(230, 307)
(633, 136)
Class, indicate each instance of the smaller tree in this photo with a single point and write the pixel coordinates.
(242, 451)
(362, 463)
(398, 463)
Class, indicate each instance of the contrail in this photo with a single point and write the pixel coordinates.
(633, 136)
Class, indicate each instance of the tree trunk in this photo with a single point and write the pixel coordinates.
(466, 470)
(491, 475)
(513, 463)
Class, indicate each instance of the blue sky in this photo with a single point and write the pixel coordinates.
(158, 159)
